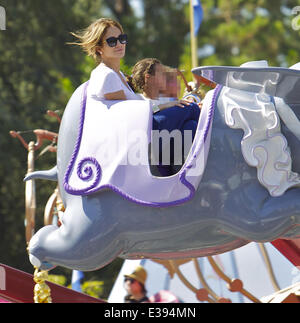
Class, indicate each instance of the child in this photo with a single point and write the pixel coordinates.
(149, 78)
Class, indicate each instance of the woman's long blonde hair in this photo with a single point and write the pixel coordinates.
(91, 38)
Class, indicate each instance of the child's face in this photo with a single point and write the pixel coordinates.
(173, 86)
(159, 78)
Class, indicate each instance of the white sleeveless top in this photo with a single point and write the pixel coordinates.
(105, 80)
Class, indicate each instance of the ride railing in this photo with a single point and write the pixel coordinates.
(21, 287)
(34, 287)
(30, 192)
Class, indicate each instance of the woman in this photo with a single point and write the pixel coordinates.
(106, 42)
(134, 285)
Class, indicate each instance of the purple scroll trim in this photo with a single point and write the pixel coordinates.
(93, 187)
(84, 172)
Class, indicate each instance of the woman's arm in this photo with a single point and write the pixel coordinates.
(119, 95)
(105, 84)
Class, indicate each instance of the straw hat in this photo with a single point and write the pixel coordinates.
(138, 274)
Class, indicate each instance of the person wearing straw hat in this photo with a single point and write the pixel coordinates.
(134, 284)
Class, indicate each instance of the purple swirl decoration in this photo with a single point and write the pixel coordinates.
(85, 168)
(85, 172)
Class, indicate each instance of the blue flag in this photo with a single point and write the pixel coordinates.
(76, 278)
(198, 15)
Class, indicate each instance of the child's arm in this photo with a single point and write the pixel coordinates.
(178, 103)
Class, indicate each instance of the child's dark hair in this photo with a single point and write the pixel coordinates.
(140, 69)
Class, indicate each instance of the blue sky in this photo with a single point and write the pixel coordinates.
(138, 6)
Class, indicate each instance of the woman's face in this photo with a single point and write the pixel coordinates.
(132, 286)
(116, 52)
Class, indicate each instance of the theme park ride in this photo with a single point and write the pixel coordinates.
(235, 186)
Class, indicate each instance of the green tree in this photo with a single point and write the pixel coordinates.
(157, 31)
(234, 32)
(35, 64)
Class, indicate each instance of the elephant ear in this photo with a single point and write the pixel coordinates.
(257, 77)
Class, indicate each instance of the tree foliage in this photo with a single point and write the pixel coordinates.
(234, 32)
(35, 64)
